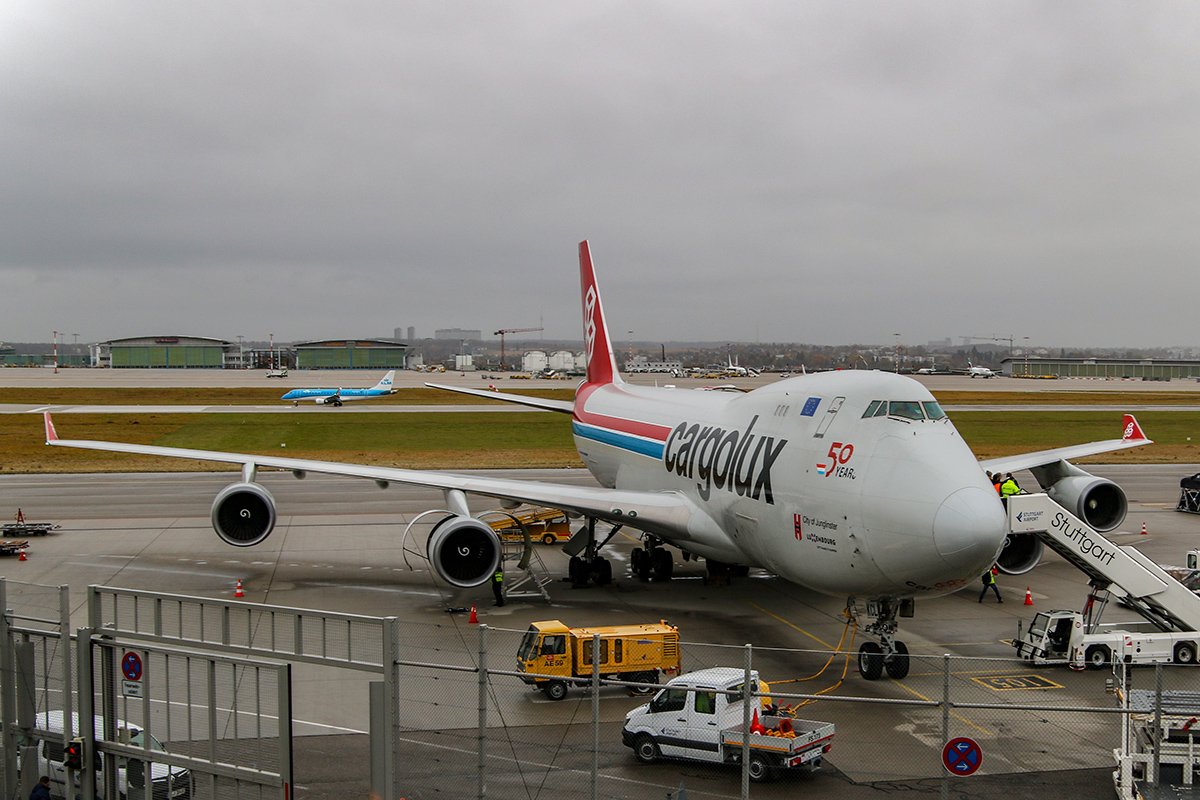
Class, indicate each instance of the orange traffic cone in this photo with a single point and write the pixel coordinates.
(474, 620)
(1143, 529)
(237, 590)
(1028, 597)
(20, 517)
(22, 556)
(755, 725)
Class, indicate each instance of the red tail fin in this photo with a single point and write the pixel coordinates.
(601, 365)
(1130, 428)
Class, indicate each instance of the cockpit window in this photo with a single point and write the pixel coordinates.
(882, 410)
(871, 409)
(905, 409)
(933, 410)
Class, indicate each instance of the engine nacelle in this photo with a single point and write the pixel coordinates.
(243, 514)
(1022, 552)
(1097, 501)
(463, 551)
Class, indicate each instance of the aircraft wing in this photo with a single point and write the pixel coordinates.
(1132, 436)
(668, 514)
(546, 404)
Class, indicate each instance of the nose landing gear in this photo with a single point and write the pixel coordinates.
(889, 654)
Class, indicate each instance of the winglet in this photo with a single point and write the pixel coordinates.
(51, 434)
(1130, 429)
(601, 363)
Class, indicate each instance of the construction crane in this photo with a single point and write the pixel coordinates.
(501, 334)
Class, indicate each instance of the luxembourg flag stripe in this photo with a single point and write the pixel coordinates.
(821, 469)
(633, 444)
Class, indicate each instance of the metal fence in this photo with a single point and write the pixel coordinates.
(468, 726)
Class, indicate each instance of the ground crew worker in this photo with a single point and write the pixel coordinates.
(989, 581)
(1009, 487)
(498, 586)
(994, 479)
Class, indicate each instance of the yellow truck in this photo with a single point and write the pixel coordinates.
(545, 525)
(554, 656)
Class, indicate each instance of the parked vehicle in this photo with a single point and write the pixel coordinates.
(1059, 637)
(168, 783)
(556, 656)
(701, 716)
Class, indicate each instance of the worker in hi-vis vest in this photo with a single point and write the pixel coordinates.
(498, 586)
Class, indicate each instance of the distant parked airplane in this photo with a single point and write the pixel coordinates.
(980, 372)
(335, 397)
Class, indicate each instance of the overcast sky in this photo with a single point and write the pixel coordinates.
(821, 172)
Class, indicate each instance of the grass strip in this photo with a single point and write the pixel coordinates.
(487, 440)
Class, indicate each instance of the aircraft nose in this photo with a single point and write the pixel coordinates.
(969, 526)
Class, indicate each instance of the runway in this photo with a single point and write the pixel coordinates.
(337, 546)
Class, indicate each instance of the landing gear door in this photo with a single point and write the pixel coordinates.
(830, 413)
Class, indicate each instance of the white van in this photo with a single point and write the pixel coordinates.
(169, 783)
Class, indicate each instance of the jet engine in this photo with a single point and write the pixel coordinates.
(243, 514)
(1022, 552)
(1097, 501)
(464, 551)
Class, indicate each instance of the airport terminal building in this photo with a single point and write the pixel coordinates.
(351, 354)
(1149, 369)
(167, 352)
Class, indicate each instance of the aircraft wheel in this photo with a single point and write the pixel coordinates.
(602, 571)
(635, 558)
(870, 661)
(663, 564)
(577, 571)
(555, 690)
(898, 663)
(645, 749)
(1096, 657)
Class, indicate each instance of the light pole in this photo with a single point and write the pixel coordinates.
(1025, 350)
(241, 352)
(896, 353)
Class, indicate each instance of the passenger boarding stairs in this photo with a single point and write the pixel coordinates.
(1149, 590)
(525, 574)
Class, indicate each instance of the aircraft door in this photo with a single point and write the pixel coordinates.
(831, 412)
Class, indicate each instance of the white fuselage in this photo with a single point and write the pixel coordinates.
(802, 483)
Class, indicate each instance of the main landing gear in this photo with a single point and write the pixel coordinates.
(586, 564)
(653, 561)
(890, 654)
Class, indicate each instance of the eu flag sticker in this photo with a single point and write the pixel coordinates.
(810, 407)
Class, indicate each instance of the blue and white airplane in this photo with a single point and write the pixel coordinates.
(335, 397)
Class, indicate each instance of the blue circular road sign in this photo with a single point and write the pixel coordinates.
(131, 667)
(962, 756)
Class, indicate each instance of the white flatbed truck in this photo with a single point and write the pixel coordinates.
(1171, 610)
(700, 716)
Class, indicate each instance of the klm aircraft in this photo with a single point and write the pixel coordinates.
(335, 397)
